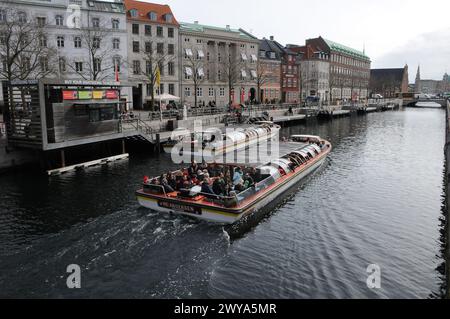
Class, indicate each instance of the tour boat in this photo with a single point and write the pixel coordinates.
(212, 142)
(271, 181)
(428, 105)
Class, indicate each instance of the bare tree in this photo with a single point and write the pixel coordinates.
(263, 76)
(24, 50)
(154, 62)
(99, 62)
(196, 66)
(232, 67)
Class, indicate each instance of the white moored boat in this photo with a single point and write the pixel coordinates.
(214, 143)
(270, 182)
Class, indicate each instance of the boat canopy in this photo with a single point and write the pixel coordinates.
(235, 136)
(283, 163)
(270, 170)
(317, 148)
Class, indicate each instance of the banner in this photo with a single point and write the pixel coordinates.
(112, 94)
(70, 95)
(85, 95)
(99, 95)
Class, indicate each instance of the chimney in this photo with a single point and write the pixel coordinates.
(272, 38)
(195, 22)
(228, 27)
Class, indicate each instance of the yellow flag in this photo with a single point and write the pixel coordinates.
(158, 76)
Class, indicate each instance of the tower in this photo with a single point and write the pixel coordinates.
(418, 88)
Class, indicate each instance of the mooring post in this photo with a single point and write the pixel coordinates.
(63, 158)
(123, 146)
(158, 144)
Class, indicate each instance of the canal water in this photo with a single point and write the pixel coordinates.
(377, 201)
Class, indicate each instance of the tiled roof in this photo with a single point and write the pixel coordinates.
(196, 27)
(144, 8)
(346, 50)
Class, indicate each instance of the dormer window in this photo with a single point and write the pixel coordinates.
(133, 13)
(168, 18)
(152, 16)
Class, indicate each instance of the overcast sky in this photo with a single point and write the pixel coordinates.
(394, 32)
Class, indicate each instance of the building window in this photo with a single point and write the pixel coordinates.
(171, 49)
(135, 28)
(172, 89)
(116, 63)
(95, 22)
(187, 92)
(211, 92)
(148, 68)
(59, 20)
(96, 43)
(199, 92)
(116, 44)
(79, 66)
(161, 68)
(77, 42)
(42, 41)
(136, 67)
(187, 73)
(115, 24)
(168, 17)
(222, 91)
(60, 41)
(133, 13)
(2, 15)
(161, 89)
(148, 30)
(171, 68)
(160, 48)
(97, 65)
(44, 64)
(159, 32)
(22, 17)
(148, 47)
(153, 16)
(41, 21)
(170, 33)
(136, 46)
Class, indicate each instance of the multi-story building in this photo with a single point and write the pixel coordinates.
(389, 82)
(217, 65)
(89, 37)
(269, 65)
(290, 72)
(349, 69)
(153, 34)
(431, 86)
(314, 73)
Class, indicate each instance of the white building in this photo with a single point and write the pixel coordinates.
(207, 49)
(66, 23)
(315, 77)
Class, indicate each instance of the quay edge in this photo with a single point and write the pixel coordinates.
(447, 201)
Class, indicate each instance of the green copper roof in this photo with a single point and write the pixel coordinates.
(195, 27)
(345, 49)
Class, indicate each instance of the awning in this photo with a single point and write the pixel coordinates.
(165, 97)
(254, 58)
(201, 54)
(188, 52)
(253, 73)
(188, 71)
(244, 57)
(200, 72)
(243, 73)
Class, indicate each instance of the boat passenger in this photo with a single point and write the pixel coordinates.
(248, 181)
(193, 168)
(195, 180)
(219, 185)
(239, 188)
(206, 188)
(167, 187)
(237, 177)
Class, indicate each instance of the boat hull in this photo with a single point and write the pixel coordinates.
(223, 217)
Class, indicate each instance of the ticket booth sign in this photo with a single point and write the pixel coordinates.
(112, 94)
(70, 95)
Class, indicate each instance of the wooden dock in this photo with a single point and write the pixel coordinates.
(85, 165)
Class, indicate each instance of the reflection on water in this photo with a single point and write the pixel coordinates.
(376, 201)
